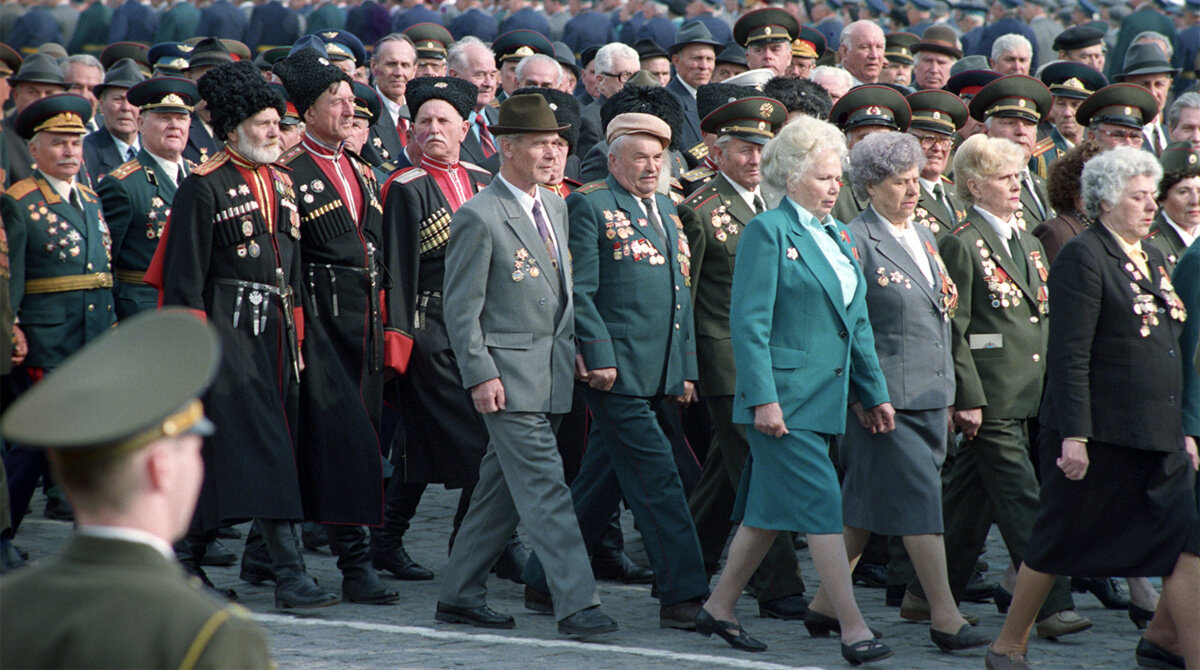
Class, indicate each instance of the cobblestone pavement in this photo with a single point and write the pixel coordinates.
(405, 635)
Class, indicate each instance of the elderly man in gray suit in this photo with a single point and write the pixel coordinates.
(511, 323)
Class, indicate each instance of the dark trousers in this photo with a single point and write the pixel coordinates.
(992, 479)
(628, 455)
(711, 505)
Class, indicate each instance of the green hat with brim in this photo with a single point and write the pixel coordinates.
(1126, 105)
(766, 25)
(754, 119)
(1014, 96)
(1183, 156)
(871, 105)
(1068, 79)
(937, 111)
(164, 94)
(58, 113)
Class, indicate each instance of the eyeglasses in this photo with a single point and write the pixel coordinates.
(1123, 135)
(930, 141)
(619, 76)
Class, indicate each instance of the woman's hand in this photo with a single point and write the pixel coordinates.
(768, 419)
(689, 394)
(968, 420)
(1189, 445)
(883, 418)
(1074, 459)
(861, 415)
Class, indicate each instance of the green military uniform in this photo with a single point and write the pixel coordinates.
(1065, 79)
(940, 113)
(115, 597)
(1180, 160)
(872, 105)
(137, 196)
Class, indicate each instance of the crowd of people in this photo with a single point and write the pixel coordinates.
(860, 280)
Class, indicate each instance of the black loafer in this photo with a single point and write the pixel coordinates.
(538, 601)
(588, 622)
(399, 563)
(788, 608)
(965, 638)
(870, 575)
(1150, 655)
(865, 651)
(618, 567)
(480, 617)
(731, 632)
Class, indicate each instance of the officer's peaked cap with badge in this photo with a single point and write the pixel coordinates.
(937, 111)
(1146, 58)
(808, 44)
(517, 44)
(1078, 37)
(967, 83)
(460, 93)
(711, 96)
(1069, 79)
(306, 74)
(526, 113)
(366, 102)
(1126, 105)
(164, 94)
(10, 61)
(753, 119)
(169, 58)
(693, 33)
(431, 40)
(1182, 157)
(898, 47)
(290, 116)
(124, 74)
(762, 26)
(871, 105)
(235, 92)
(656, 101)
(58, 113)
(566, 110)
(39, 69)
(164, 360)
(209, 52)
(1016, 96)
(135, 51)
(344, 45)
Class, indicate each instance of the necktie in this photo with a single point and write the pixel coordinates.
(402, 131)
(759, 205)
(74, 201)
(1018, 255)
(544, 232)
(485, 138)
(130, 153)
(940, 196)
(653, 216)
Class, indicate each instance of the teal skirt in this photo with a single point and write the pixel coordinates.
(789, 484)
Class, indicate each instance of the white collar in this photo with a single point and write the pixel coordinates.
(174, 170)
(1183, 234)
(392, 107)
(126, 534)
(929, 185)
(123, 148)
(1005, 229)
(525, 200)
(746, 194)
(62, 188)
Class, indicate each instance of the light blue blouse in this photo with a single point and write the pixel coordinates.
(824, 233)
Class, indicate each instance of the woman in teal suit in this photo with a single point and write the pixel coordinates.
(801, 338)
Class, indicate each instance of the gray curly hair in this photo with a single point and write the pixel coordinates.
(790, 155)
(1105, 176)
(881, 155)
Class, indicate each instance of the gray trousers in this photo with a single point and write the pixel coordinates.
(521, 477)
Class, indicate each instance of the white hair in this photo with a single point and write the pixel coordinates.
(458, 59)
(853, 28)
(789, 156)
(822, 72)
(534, 60)
(1190, 100)
(611, 52)
(1010, 42)
(1105, 176)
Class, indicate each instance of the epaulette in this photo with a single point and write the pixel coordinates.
(405, 175)
(676, 184)
(696, 174)
(291, 154)
(593, 186)
(22, 188)
(711, 194)
(1043, 145)
(86, 189)
(699, 151)
(494, 103)
(214, 161)
(947, 180)
(572, 183)
(125, 169)
(472, 166)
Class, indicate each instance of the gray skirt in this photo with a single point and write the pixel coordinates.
(892, 484)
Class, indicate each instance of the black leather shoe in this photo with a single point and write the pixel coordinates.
(399, 563)
(218, 555)
(538, 601)
(788, 608)
(979, 589)
(819, 625)
(511, 563)
(368, 590)
(680, 615)
(296, 589)
(1139, 616)
(1150, 655)
(865, 651)
(1108, 590)
(870, 575)
(59, 509)
(965, 638)
(480, 617)
(618, 567)
(587, 622)
(731, 632)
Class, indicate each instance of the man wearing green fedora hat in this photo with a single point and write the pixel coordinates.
(131, 465)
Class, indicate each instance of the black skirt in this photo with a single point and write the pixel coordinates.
(1130, 516)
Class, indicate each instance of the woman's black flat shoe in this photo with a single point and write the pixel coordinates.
(965, 638)
(866, 651)
(819, 625)
(1140, 617)
(729, 631)
(1150, 655)
(1003, 599)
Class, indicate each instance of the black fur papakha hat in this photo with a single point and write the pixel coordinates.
(458, 92)
(306, 74)
(712, 96)
(235, 92)
(566, 110)
(656, 101)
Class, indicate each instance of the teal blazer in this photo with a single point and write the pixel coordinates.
(794, 342)
(632, 312)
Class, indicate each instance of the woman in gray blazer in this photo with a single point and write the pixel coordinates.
(892, 485)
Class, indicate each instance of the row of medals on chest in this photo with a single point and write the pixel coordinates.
(66, 245)
(1143, 303)
(617, 225)
(1002, 289)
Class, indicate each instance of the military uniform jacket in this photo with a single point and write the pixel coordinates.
(633, 308)
(1029, 216)
(100, 154)
(341, 395)
(200, 145)
(798, 343)
(114, 603)
(932, 214)
(909, 318)
(137, 198)
(999, 327)
(713, 219)
(848, 206)
(1114, 373)
(1163, 236)
(220, 234)
(49, 238)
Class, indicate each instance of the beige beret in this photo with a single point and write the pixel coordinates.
(632, 123)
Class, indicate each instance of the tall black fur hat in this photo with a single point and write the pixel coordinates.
(235, 92)
(306, 74)
(712, 96)
(649, 100)
(566, 110)
(458, 92)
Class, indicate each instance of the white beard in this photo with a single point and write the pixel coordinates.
(261, 154)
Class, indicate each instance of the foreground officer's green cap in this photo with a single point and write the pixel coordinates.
(766, 25)
(752, 119)
(1017, 95)
(138, 383)
(1181, 156)
(871, 105)
(1126, 105)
